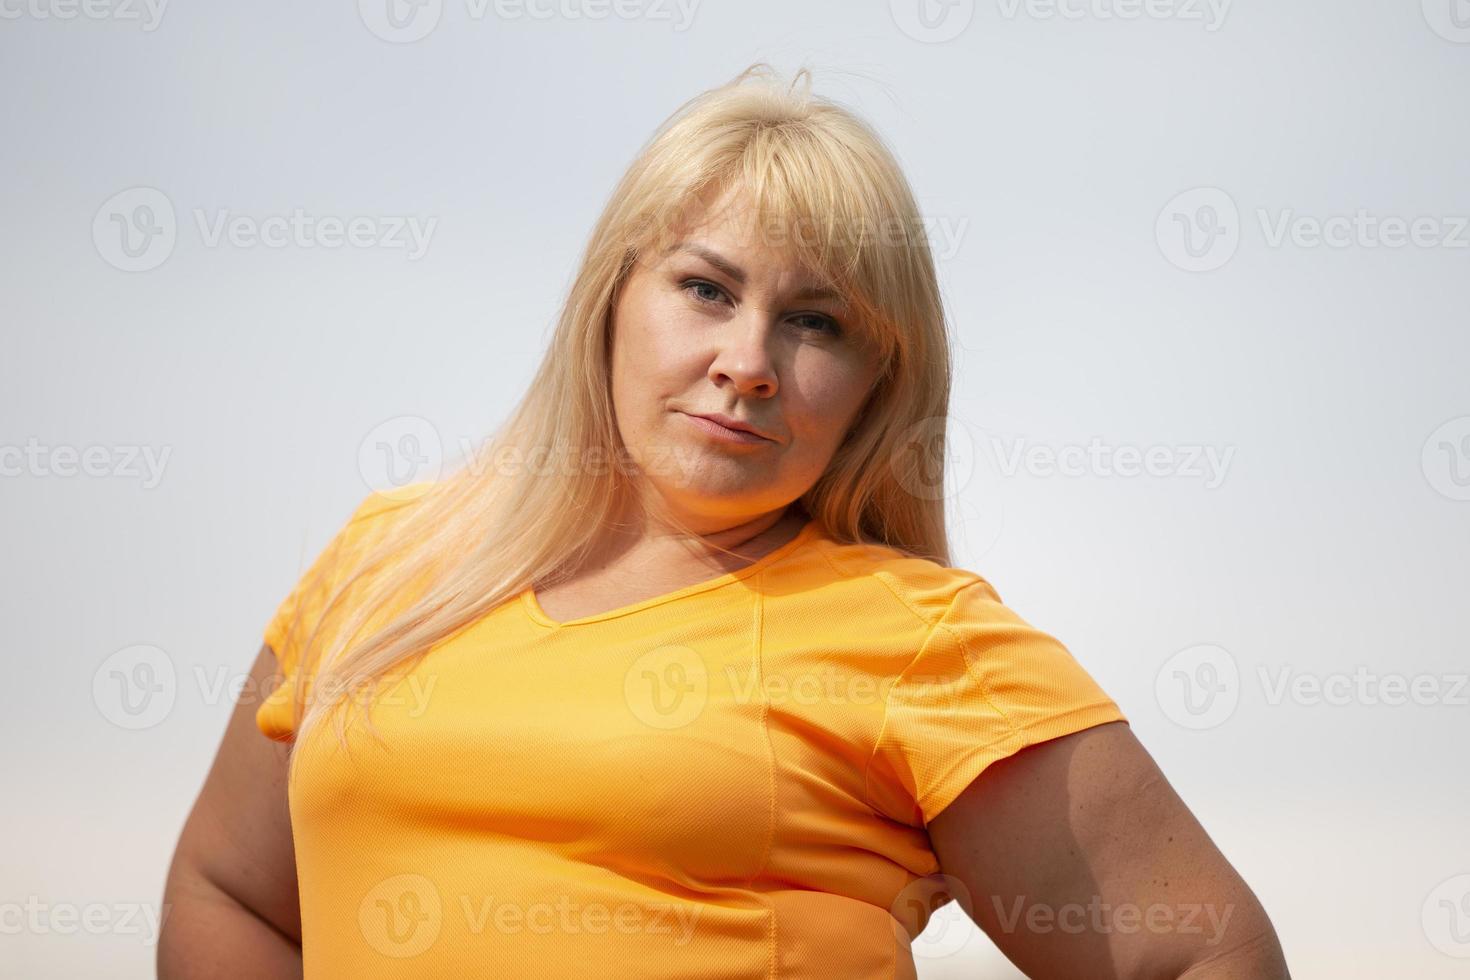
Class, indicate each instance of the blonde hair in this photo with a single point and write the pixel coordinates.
(812, 170)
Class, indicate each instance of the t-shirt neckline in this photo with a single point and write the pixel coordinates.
(533, 608)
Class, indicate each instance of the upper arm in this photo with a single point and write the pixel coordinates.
(238, 834)
(1077, 857)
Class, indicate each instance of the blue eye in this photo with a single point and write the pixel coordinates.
(820, 322)
(696, 283)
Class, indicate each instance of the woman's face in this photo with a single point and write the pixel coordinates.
(722, 323)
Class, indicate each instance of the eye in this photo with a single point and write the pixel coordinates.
(823, 323)
(694, 284)
(814, 321)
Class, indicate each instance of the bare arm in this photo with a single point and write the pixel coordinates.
(1077, 858)
(232, 904)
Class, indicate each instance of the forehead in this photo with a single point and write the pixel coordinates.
(730, 222)
(726, 230)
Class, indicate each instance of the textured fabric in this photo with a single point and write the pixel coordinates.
(729, 780)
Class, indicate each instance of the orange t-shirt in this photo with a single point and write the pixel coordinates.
(729, 780)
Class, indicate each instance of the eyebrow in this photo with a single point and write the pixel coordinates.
(738, 274)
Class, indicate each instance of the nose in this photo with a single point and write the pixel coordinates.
(743, 355)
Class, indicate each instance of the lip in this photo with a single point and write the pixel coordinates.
(728, 429)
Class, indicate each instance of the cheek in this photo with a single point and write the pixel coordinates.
(655, 334)
(823, 403)
(673, 332)
(653, 359)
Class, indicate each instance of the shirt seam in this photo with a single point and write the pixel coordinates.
(929, 627)
(965, 654)
(887, 701)
(724, 581)
(903, 601)
(772, 780)
(969, 659)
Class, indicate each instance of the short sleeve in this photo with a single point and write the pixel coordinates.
(297, 614)
(984, 685)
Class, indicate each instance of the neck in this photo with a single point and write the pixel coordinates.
(647, 536)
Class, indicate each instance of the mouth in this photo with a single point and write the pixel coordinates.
(726, 429)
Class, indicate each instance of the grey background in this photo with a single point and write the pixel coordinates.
(1054, 146)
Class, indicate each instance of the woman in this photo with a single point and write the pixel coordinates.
(674, 678)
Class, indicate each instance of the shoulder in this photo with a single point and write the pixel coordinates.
(382, 502)
(353, 540)
(873, 577)
(349, 545)
(380, 510)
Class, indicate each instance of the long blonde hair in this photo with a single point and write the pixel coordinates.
(475, 538)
